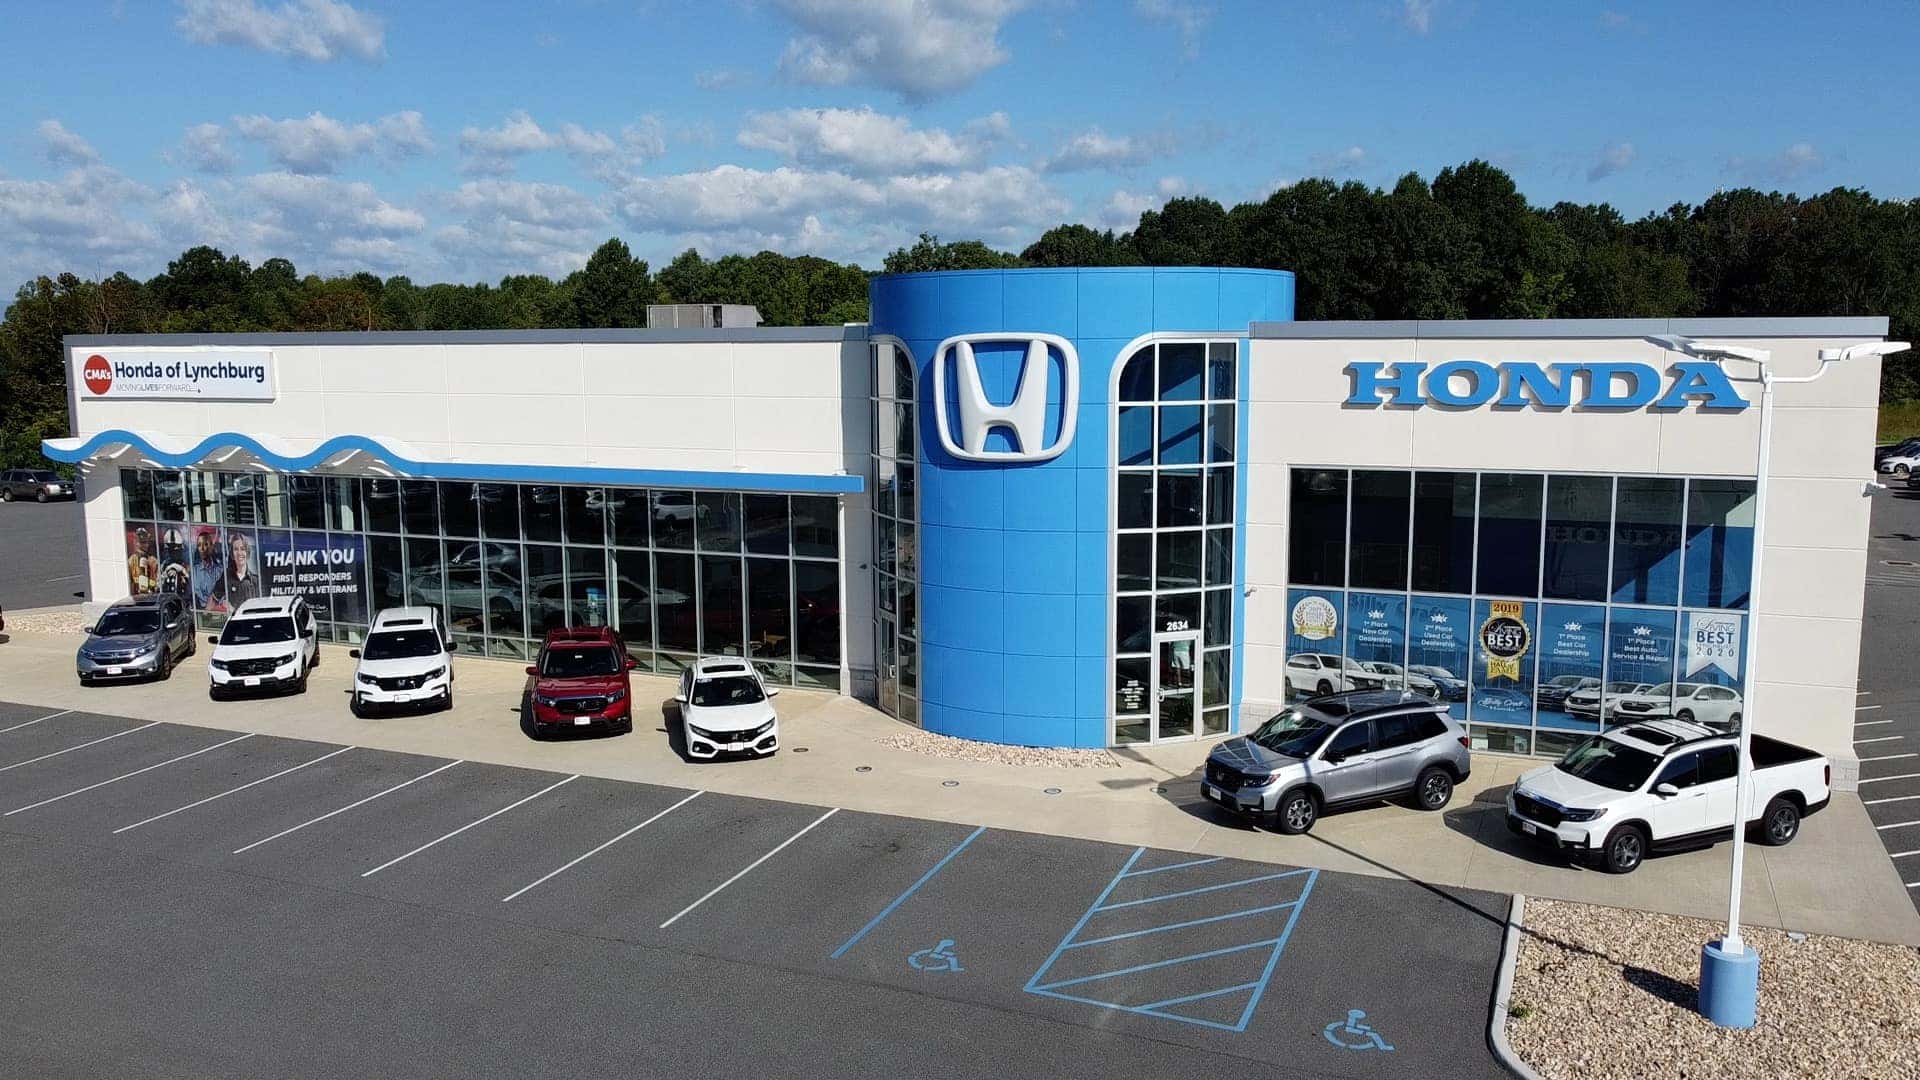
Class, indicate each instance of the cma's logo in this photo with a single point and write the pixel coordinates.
(1024, 420)
(1596, 385)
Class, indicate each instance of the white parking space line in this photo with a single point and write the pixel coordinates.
(1883, 738)
(469, 825)
(1864, 708)
(230, 791)
(1870, 723)
(344, 809)
(1884, 779)
(749, 869)
(1887, 757)
(543, 878)
(123, 776)
(1896, 798)
(82, 746)
(1904, 854)
(30, 723)
(1896, 825)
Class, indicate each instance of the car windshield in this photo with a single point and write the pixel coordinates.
(1437, 672)
(1294, 733)
(116, 623)
(1621, 687)
(1664, 689)
(1610, 764)
(727, 690)
(43, 477)
(400, 644)
(573, 663)
(257, 631)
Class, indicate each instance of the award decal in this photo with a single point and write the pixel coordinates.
(1504, 639)
(1314, 618)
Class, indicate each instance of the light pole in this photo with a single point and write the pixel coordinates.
(1729, 971)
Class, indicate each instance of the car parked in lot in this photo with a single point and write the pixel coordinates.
(726, 709)
(1399, 678)
(1662, 785)
(580, 681)
(269, 643)
(141, 637)
(1903, 448)
(40, 485)
(1588, 703)
(1900, 465)
(1340, 750)
(1452, 687)
(1324, 673)
(406, 662)
(1717, 706)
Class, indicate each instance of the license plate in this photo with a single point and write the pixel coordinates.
(582, 721)
(1529, 828)
(252, 680)
(1210, 791)
(114, 670)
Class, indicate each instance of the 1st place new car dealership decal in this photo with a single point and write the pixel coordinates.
(221, 376)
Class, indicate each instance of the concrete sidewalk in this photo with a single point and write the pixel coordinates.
(1834, 879)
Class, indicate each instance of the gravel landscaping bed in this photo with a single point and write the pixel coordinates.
(1601, 992)
(926, 742)
(66, 619)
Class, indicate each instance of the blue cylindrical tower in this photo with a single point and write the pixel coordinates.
(1026, 623)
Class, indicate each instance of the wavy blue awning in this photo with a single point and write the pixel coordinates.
(175, 454)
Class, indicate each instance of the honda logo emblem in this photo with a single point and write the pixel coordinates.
(1025, 419)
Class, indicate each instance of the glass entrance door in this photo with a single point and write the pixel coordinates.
(1175, 695)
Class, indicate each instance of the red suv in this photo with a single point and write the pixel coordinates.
(580, 681)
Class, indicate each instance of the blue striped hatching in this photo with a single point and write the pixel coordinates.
(454, 470)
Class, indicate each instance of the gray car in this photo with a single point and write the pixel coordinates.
(37, 484)
(1340, 750)
(141, 637)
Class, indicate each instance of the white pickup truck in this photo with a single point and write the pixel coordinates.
(1659, 785)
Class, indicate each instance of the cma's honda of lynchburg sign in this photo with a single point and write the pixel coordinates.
(237, 375)
(1614, 385)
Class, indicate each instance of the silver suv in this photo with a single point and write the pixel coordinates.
(1339, 750)
(141, 637)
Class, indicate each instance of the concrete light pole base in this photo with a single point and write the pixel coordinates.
(1729, 985)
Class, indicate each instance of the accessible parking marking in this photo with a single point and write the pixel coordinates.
(230, 791)
(1122, 994)
(82, 746)
(124, 776)
(578, 859)
(344, 809)
(30, 723)
(469, 825)
(902, 898)
(717, 888)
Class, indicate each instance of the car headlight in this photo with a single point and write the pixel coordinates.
(217, 665)
(145, 649)
(364, 679)
(541, 699)
(616, 696)
(1584, 815)
(436, 672)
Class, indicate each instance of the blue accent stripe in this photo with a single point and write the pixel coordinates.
(1140, 1010)
(1161, 963)
(1183, 925)
(1175, 866)
(452, 470)
(1195, 892)
(902, 898)
(1198, 997)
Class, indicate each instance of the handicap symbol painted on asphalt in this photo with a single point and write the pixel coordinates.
(1353, 1033)
(938, 958)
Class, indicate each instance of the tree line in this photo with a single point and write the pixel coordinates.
(1466, 244)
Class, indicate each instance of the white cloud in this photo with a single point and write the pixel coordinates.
(869, 142)
(1122, 210)
(204, 148)
(1796, 162)
(318, 143)
(317, 30)
(509, 226)
(718, 79)
(64, 148)
(919, 49)
(87, 222)
(1095, 149)
(1188, 18)
(1417, 15)
(1340, 162)
(1614, 157)
(494, 151)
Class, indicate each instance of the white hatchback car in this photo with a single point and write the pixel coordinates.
(405, 661)
(270, 642)
(726, 709)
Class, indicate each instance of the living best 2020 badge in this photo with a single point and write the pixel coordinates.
(1504, 639)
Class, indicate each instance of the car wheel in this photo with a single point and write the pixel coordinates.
(301, 686)
(1733, 720)
(449, 704)
(1297, 812)
(1780, 822)
(1625, 849)
(213, 693)
(1324, 687)
(1433, 788)
(6, 495)
(40, 496)
(1684, 716)
(164, 670)
(1901, 471)
(357, 709)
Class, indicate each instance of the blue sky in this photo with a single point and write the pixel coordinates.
(462, 141)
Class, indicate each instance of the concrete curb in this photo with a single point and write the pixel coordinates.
(1503, 990)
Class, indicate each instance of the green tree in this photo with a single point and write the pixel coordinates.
(613, 289)
(928, 253)
(1079, 245)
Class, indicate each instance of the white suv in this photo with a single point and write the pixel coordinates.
(271, 642)
(1715, 706)
(1313, 674)
(725, 709)
(403, 662)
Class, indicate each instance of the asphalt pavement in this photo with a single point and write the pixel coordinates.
(40, 551)
(189, 902)
(1886, 732)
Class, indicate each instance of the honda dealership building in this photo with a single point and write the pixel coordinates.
(1097, 507)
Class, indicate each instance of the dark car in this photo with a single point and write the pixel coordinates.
(580, 681)
(141, 637)
(40, 485)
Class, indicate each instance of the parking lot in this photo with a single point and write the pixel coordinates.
(37, 546)
(1887, 719)
(179, 891)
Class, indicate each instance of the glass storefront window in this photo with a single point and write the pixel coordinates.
(585, 511)
(380, 499)
(1317, 527)
(460, 508)
(425, 577)
(770, 609)
(717, 514)
(627, 510)
(766, 524)
(722, 632)
(1719, 556)
(307, 497)
(420, 507)
(816, 594)
(499, 511)
(633, 594)
(587, 602)
(1509, 543)
(1579, 510)
(540, 512)
(1377, 550)
(1646, 540)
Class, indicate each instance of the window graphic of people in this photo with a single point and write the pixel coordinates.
(243, 580)
(173, 562)
(143, 569)
(208, 569)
